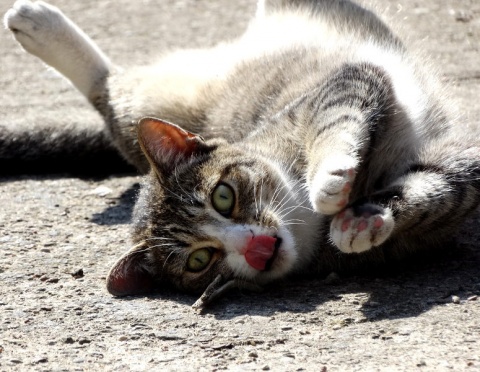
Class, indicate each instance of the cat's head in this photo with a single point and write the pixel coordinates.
(208, 212)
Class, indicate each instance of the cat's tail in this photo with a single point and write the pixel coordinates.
(82, 151)
(44, 31)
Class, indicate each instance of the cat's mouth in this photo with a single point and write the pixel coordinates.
(261, 251)
(270, 262)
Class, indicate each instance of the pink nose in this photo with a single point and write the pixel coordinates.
(259, 250)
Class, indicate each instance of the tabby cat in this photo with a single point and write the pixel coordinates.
(313, 143)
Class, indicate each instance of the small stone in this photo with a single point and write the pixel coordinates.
(69, 340)
(266, 368)
(253, 354)
(287, 328)
(77, 274)
(463, 16)
(455, 299)
(472, 298)
(84, 341)
(53, 280)
(123, 338)
(102, 191)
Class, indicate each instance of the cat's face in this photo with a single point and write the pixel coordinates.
(206, 210)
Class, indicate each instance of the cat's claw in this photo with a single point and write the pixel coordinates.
(358, 229)
(331, 186)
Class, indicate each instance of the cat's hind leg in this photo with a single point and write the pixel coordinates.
(361, 227)
(44, 31)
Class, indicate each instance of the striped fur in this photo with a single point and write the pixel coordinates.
(335, 143)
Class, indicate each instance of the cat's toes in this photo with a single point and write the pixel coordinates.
(33, 24)
(358, 229)
(331, 186)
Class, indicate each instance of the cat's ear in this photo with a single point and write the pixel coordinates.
(166, 145)
(130, 274)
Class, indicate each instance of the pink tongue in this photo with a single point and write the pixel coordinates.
(259, 250)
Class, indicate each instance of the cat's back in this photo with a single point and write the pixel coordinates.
(287, 50)
(328, 24)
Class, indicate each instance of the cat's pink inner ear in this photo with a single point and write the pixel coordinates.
(161, 140)
(128, 276)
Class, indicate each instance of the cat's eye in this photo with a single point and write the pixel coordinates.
(223, 199)
(199, 259)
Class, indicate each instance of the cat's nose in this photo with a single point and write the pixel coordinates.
(261, 251)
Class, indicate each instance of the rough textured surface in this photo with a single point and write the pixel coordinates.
(59, 234)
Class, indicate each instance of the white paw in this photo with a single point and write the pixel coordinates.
(358, 229)
(44, 31)
(35, 25)
(331, 186)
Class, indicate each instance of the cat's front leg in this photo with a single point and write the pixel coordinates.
(346, 119)
(44, 31)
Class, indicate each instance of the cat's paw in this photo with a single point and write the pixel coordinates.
(35, 25)
(331, 186)
(358, 229)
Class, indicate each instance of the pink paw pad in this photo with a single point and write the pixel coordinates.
(346, 224)
(359, 228)
(378, 222)
(362, 225)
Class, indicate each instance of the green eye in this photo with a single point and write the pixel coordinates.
(223, 199)
(199, 259)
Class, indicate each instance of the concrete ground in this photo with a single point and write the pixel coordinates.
(60, 233)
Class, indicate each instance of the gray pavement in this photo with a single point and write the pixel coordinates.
(59, 234)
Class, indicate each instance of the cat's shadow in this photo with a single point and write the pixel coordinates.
(399, 294)
(120, 212)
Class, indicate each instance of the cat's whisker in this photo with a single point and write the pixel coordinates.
(161, 245)
(261, 195)
(179, 197)
(158, 238)
(283, 204)
(166, 260)
(293, 223)
(286, 211)
(255, 200)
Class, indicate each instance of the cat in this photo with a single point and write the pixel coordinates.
(313, 143)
